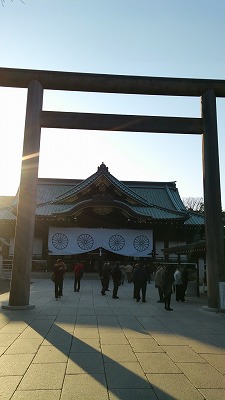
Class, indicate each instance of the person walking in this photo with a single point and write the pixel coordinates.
(134, 280)
(59, 269)
(178, 284)
(78, 273)
(122, 269)
(116, 276)
(168, 281)
(129, 270)
(141, 278)
(159, 282)
(148, 268)
(105, 276)
(108, 274)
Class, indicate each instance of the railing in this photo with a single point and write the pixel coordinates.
(37, 265)
(7, 268)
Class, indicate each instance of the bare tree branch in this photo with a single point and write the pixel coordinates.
(194, 203)
(4, 1)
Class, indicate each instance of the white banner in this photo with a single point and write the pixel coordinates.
(127, 242)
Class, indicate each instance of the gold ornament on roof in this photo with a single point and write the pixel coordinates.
(102, 210)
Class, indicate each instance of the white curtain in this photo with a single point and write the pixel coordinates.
(127, 242)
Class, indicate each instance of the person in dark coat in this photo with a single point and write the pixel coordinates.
(158, 283)
(148, 268)
(78, 273)
(59, 269)
(116, 276)
(178, 284)
(133, 279)
(105, 276)
(184, 277)
(167, 284)
(141, 278)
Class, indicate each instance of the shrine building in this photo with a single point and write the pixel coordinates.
(102, 218)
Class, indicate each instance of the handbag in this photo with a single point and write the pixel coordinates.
(53, 277)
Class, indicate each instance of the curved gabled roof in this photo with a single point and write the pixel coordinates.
(155, 201)
(93, 179)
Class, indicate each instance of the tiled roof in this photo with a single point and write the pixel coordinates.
(153, 200)
(160, 213)
(163, 194)
(195, 218)
(91, 179)
(159, 204)
(7, 214)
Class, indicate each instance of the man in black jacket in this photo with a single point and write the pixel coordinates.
(141, 278)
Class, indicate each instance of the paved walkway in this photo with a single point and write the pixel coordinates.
(89, 346)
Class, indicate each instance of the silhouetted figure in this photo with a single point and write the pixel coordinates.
(141, 278)
(168, 281)
(133, 278)
(159, 283)
(78, 273)
(178, 284)
(59, 269)
(149, 271)
(105, 275)
(122, 269)
(129, 270)
(116, 275)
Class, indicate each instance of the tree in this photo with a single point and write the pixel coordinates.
(194, 203)
(3, 2)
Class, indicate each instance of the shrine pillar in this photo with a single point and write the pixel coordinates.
(215, 265)
(25, 222)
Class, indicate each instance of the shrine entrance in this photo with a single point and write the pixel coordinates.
(37, 81)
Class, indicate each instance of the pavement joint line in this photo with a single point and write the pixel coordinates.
(186, 328)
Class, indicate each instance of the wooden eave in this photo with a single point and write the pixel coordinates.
(92, 204)
(197, 247)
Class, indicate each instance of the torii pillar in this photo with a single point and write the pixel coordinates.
(25, 222)
(215, 263)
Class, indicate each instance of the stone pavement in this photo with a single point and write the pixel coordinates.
(89, 346)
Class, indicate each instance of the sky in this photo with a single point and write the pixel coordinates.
(181, 39)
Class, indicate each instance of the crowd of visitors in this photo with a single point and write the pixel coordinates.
(167, 281)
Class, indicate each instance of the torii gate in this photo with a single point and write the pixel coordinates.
(36, 81)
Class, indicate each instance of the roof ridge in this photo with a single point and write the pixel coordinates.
(102, 171)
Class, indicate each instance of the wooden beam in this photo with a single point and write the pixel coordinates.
(112, 122)
(85, 82)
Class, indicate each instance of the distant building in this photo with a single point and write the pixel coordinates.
(101, 218)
